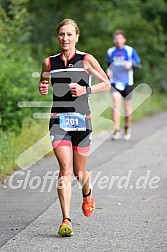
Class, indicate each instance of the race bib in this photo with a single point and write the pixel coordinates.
(72, 122)
(120, 86)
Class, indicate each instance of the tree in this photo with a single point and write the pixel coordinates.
(17, 64)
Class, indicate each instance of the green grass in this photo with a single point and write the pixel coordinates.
(11, 145)
(101, 107)
(154, 104)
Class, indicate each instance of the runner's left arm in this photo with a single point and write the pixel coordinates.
(92, 67)
(136, 62)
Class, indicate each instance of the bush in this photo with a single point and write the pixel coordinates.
(17, 66)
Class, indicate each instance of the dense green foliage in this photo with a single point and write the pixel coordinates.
(16, 66)
(143, 21)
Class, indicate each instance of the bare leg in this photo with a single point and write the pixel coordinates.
(63, 155)
(88, 205)
(128, 113)
(116, 97)
(79, 166)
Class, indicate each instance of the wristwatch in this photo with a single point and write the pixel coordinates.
(88, 90)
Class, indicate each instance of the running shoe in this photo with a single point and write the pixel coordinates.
(65, 228)
(116, 135)
(127, 134)
(88, 205)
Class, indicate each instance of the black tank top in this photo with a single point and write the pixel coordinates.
(62, 76)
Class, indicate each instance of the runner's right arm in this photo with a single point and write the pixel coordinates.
(44, 78)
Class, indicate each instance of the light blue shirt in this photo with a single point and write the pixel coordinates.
(116, 58)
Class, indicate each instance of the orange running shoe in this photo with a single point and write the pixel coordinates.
(65, 228)
(88, 205)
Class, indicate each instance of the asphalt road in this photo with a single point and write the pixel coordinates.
(130, 190)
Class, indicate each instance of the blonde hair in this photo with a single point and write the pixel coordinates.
(66, 22)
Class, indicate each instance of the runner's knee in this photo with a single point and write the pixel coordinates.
(81, 175)
(65, 169)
